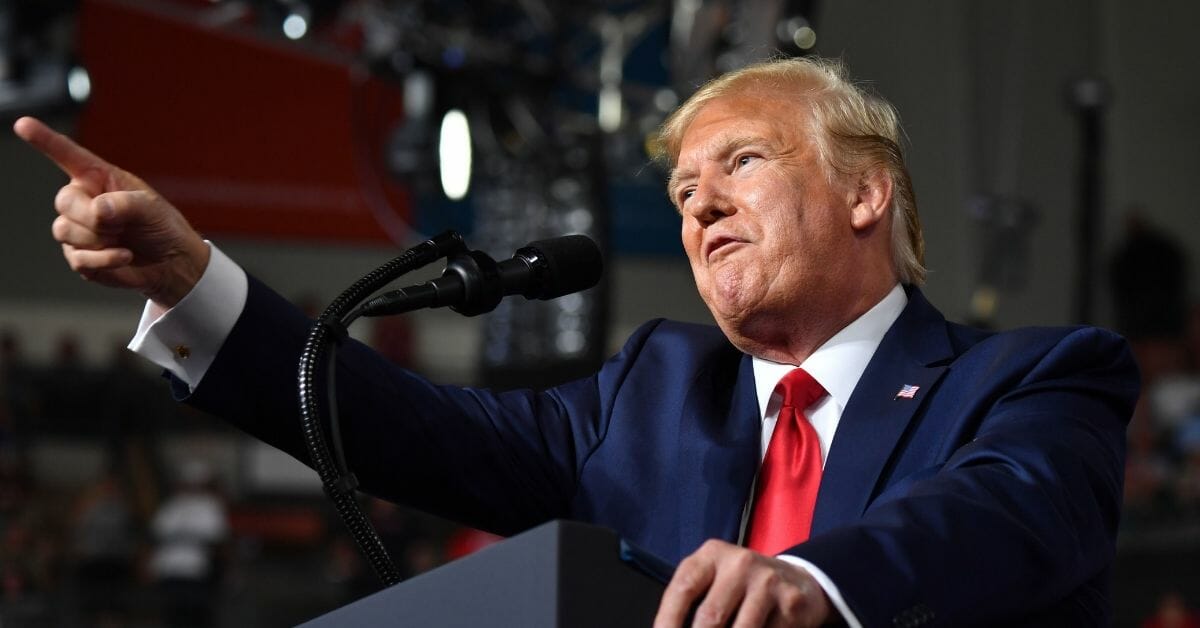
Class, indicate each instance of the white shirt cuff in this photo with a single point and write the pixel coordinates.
(185, 339)
(827, 585)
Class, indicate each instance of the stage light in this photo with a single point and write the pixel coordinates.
(805, 37)
(79, 84)
(418, 95)
(578, 220)
(570, 341)
(571, 303)
(295, 26)
(797, 31)
(609, 110)
(454, 154)
(666, 100)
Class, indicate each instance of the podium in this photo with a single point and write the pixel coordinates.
(559, 574)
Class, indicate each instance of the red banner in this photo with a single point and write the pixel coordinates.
(246, 135)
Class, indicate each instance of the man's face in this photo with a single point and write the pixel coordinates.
(768, 236)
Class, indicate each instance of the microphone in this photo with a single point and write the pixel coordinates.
(473, 283)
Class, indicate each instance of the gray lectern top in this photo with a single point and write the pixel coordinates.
(559, 574)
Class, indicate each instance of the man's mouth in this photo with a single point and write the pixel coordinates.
(720, 245)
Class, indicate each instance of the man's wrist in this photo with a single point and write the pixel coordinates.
(184, 339)
(833, 595)
(181, 275)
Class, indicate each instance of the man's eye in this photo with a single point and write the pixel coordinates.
(742, 160)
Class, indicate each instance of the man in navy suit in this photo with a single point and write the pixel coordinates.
(969, 478)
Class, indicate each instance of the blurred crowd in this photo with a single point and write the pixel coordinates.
(1149, 281)
(138, 534)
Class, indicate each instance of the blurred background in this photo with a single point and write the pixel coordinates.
(1052, 147)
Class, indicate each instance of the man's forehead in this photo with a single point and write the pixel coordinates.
(741, 119)
(718, 144)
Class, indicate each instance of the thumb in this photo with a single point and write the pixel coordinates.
(116, 210)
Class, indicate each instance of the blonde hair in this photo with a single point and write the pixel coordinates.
(856, 132)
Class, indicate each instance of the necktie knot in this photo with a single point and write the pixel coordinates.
(800, 390)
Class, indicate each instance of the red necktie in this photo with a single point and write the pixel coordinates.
(786, 493)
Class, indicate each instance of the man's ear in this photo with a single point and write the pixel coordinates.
(871, 199)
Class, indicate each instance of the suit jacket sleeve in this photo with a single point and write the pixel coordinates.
(498, 461)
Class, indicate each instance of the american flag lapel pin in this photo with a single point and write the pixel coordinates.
(907, 391)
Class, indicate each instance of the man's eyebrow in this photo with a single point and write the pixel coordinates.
(734, 143)
(718, 151)
(678, 175)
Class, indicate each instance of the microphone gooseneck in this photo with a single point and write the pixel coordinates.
(320, 353)
(472, 283)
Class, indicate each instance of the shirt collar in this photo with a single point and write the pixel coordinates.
(839, 363)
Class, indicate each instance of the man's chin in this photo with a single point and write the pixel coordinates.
(734, 324)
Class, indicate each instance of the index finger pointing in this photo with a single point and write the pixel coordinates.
(72, 158)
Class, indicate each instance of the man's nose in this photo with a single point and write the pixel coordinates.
(709, 202)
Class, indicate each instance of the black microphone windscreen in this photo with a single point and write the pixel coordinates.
(572, 263)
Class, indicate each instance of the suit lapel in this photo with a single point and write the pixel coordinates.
(913, 353)
(718, 444)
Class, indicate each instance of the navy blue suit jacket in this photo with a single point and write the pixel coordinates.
(991, 496)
